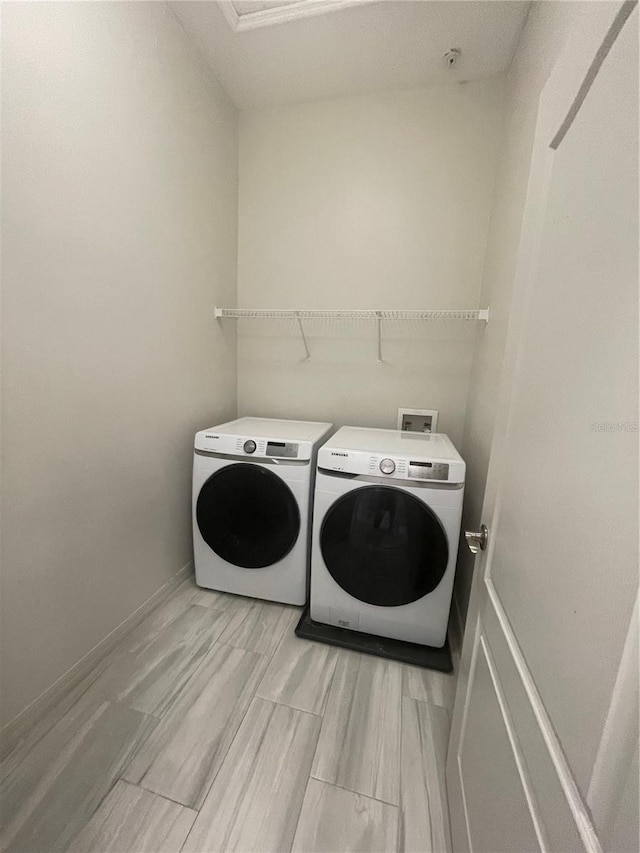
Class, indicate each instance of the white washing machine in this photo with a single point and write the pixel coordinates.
(252, 491)
(387, 513)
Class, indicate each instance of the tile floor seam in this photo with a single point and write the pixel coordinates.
(224, 757)
(155, 794)
(398, 739)
(287, 705)
(250, 609)
(273, 654)
(329, 688)
(278, 644)
(259, 745)
(350, 712)
(254, 605)
(216, 644)
(332, 785)
(306, 788)
(315, 746)
(98, 806)
(78, 835)
(309, 777)
(402, 793)
(153, 637)
(441, 814)
(160, 716)
(352, 791)
(226, 752)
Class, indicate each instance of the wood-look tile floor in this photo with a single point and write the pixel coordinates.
(213, 728)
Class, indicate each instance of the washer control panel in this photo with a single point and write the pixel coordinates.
(384, 454)
(429, 470)
(389, 467)
(408, 469)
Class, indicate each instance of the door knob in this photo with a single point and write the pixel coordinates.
(477, 541)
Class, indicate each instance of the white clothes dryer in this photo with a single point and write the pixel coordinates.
(252, 491)
(387, 512)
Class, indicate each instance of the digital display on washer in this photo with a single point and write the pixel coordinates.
(282, 448)
(429, 470)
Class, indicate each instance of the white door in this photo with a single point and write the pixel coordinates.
(544, 744)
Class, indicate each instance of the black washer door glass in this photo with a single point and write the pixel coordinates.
(384, 546)
(248, 516)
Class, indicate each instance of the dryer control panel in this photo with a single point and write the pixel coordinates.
(283, 449)
(209, 441)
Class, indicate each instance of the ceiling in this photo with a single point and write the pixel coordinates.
(281, 51)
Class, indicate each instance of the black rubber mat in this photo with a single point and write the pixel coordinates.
(412, 653)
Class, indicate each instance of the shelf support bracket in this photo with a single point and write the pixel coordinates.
(304, 337)
(379, 325)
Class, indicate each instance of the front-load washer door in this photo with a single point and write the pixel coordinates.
(248, 515)
(384, 546)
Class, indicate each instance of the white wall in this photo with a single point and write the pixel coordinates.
(119, 205)
(548, 27)
(369, 202)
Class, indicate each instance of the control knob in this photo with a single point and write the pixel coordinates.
(387, 466)
(249, 446)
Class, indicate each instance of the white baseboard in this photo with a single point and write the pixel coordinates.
(12, 732)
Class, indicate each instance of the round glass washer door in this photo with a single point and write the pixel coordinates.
(384, 546)
(248, 516)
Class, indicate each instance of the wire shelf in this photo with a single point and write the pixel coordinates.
(347, 314)
(300, 314)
